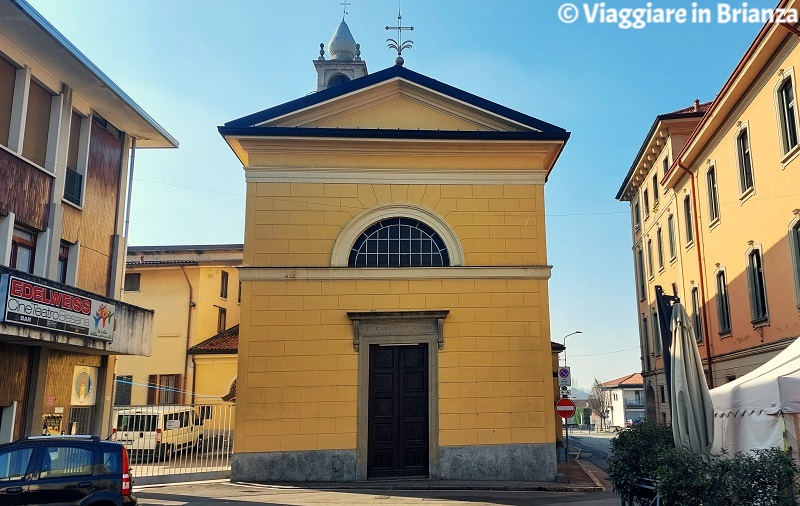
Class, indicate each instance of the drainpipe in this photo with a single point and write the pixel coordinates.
(130, 188)
(188, 336)
(696, 226)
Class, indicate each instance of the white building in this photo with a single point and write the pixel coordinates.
(625, 400)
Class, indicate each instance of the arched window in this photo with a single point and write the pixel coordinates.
(399, 242)
(337, 80)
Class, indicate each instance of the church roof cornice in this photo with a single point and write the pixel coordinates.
(251, 121)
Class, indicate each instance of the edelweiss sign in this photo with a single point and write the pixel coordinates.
(25, 302)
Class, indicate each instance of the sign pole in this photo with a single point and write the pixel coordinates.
(565, 408)
(566, 428)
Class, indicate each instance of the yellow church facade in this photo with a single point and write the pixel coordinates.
(394, 286)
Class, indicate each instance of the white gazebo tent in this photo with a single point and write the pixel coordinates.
(762, 408)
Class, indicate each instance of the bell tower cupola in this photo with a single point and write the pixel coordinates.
(344, 64)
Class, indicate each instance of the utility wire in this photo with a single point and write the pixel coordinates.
(606, 353)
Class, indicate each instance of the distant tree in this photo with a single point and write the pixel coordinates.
(600, 402)
(586, 413)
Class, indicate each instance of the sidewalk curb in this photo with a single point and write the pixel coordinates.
(434, 485)
(589, 469)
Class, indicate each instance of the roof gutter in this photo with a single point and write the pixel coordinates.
(188, 336)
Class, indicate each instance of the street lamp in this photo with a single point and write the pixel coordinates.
(565, 344)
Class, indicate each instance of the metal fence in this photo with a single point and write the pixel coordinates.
(187, 439)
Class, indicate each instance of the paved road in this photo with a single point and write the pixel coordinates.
(221, 492)
(594, 446)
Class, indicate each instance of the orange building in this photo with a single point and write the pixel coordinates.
(715, 218)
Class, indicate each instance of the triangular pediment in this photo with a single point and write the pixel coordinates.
(396, 99)
(397, 104)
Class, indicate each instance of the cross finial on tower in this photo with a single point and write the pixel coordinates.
(344, 7)
(398, 44)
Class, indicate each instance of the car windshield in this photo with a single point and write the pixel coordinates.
(138, 423)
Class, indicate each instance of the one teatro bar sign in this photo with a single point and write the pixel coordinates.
(35, 305)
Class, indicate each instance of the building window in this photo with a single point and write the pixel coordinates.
(696, 316)
(652, 271)
(794, 244)
(723, 307)
(655, 192)
(399, 242)
(239, 296)
(640, 273)
(122, 396)
(687, 214)
(665, 165)
(73, 185)
(663, 400)
(646, 198)
(758, 291)
(656, 331)
(673, 248)
(713, 196)
(745, 161)
(23, 250)
(223, 286)
(637, 222)
(660, 246)
(788, 115)
(63, 262)
(163, 389)
(221, 317)
(37, 124)
(133, 282)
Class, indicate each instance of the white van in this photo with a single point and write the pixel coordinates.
(158, 432)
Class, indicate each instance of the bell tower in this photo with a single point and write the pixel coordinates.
(345, 63)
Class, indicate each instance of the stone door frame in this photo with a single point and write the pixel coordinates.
(397, 329)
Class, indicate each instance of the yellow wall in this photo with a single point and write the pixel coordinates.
(215, 374)
(296, 224)
(165, 290)
(298, 369)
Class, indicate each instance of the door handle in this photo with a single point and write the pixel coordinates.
(84, 484)
(13, 490)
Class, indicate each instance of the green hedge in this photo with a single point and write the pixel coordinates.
(762, 477)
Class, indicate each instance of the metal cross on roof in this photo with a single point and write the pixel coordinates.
(344, 7)
(398, 43)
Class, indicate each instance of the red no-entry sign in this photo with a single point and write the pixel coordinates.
(565, 408)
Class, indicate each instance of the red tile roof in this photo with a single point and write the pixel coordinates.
(634, 379)
(224, 342)
(697, 107)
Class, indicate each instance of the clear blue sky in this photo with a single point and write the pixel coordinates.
(194, 65)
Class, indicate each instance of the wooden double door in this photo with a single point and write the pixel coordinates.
(398, 411)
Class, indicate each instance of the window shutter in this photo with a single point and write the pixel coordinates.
(152, 389)
(8, 76)
(37, 124)
(752, 289)
(123, 392)
(794, 242)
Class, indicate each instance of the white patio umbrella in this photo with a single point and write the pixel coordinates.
(692, 411)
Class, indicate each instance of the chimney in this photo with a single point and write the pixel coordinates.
(696, 104)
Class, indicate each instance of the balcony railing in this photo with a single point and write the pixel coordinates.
(634, 403)
(73, 187)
